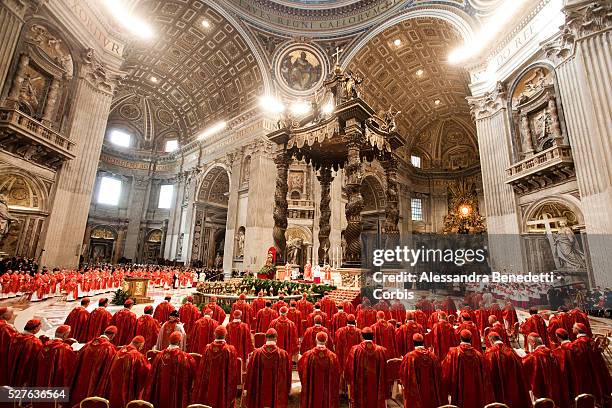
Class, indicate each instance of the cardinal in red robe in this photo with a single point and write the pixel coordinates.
(56, 361)
(398, 311)
(319, 372)
(279, 303)
(543, 373)
(287, 336)
(509, 315)
(577, 316)
(466, 375)
(163, 310)
(338, 320)
(305, 306)
(171, 378)
(535, 324)
(7, 331)
(365, 373)
(258, 304)
(189, 314)
(310, 335)
(468, 324)
(202, 333)
(384, 335)
(296, 317)
(318, 312)
(125, 320)
(245, 309)
(421, 377)
(99, 320)
(23, 355)
(148, 327)
(218, 374)
(506, 367)
(554, 323)
(328, 306)
(596, 378)
(78, 319)
(265, 317)
(426, 306)
(128, 374)
(172, 325)
(268, 377)
(348, 306)
(345, 338)
(366, 315)
(239, 336)
(93, 365)
(405, 334)
(217, 311)
(568, 364)
(444, 337)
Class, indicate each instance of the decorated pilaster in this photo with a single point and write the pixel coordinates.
(282, 161)
(12, 16)
(352, 233)
(582, 55)
(232, 161)
(325, 178)
(91, 106)
(141, 188)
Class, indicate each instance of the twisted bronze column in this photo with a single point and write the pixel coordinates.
(282, 161)
(392, 208)
(352, 233)
(325, 179)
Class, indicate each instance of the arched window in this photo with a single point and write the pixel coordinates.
(120, 138)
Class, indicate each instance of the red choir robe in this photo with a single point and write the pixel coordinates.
(348, 307)
(7, 331)
(507, 379)
(296, 317)
(569, 366)
(166, 330)
(482, 318)
(22, 359)
(278, 304)
(466, 377)
(501, 330)
(189, 314)
(535, 324)
(444, 338)
(127, 376)
(338, 321)
(287, 335)
(384, 335)
(577, 316)
(217, 312)
(93, 365)
(77, 320)
(324, 318)
(147, 327)
(366, 375)
(305, 307)
(171, 379)
(264, 318)
(598, 381)
(554, 323)
(496, 311)
(218, 375)
(257, 304)
(509, 316)
(239, 336)
(309, 341)
(162, 311)
(366, 316)
(471, 327)
(319, 372)
(403, 336)
(421, 377)
(201, 335)
(383, 306)
(99, 320)
(126, 322)
(246, 309)
(328, 306)
(55, 365)
(420, 317)
(344, 340)
(448, 305)
(268, 378)
(543, 375)
(433, 319)
(398, 311)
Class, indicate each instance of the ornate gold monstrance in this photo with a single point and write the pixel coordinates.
(334, 139)
(137, 288)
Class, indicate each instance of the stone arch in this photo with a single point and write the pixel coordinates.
(561, 203)
(23, 190)
(373, 193)
(215, 183)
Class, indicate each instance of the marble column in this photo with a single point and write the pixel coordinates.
(235, 161)
(392, 208)
(325, 179)
(352, 233)
(493, 129)
(282, 161)
(172, 233)
(13, 95)
(49, 110)
(582, 55)
(135, 213)
(12, 15)
(73, 190)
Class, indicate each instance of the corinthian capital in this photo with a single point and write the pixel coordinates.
(98, 76)
(489, 103)
(586, 18)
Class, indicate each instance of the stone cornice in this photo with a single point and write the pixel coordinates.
(488, 104)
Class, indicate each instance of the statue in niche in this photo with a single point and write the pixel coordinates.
(240, 243)
(5, 218)
(294, 248)
(567, 249)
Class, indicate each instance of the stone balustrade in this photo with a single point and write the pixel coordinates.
(542, 169)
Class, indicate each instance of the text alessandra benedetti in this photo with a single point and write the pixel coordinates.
(433, 277)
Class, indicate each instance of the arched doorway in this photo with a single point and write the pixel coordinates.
(102, 241)
(152, 246)
(372, 215)
(211, 219)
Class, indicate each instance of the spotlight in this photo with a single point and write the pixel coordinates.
(328, 108)
(300, 108)
(271, 104)
(205, 23)
(135, 25)
(154, 79)
(419, 72)
(437, 102)
(397, 42)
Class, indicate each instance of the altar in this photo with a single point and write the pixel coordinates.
(137, 287)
